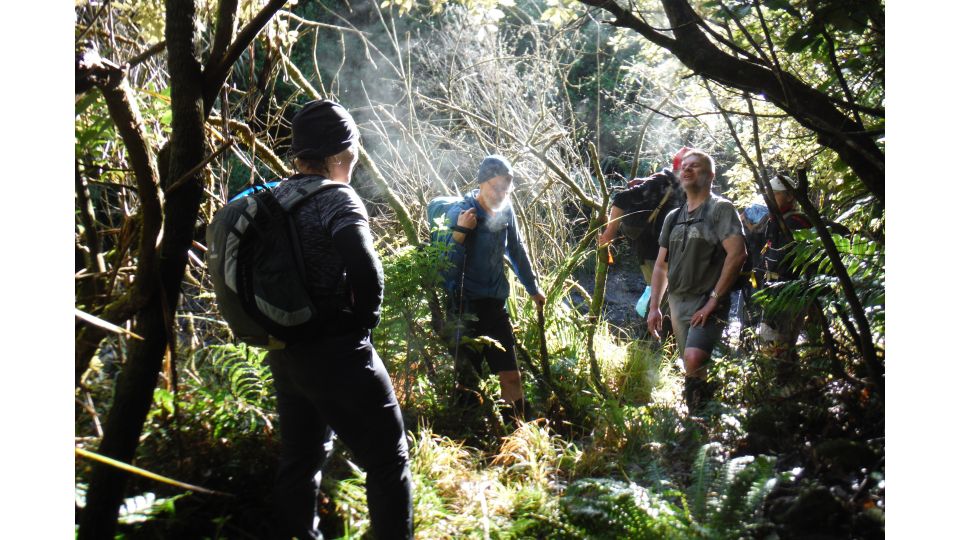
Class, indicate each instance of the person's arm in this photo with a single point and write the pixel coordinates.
(520, 262)
(466, 219)
(658, 287)
(354, 244)
(613, 225)
(456, 243)
(736, 255)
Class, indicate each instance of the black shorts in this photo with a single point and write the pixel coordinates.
(483, 317)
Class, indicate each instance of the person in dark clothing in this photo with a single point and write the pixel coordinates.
(638, 212)
(484, 230)
(779, 331)
(336, 382)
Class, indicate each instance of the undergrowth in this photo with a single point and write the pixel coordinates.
(782, 453)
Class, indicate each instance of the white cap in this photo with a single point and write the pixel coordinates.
(777, 182)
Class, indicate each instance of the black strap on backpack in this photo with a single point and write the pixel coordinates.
(301, 194)
(295, 199)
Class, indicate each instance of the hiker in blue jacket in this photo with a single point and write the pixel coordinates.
(484, 229)
(336, 382)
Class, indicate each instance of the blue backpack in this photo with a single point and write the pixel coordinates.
(437, 210)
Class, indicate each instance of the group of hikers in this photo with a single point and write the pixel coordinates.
(334, 382)
(698, 242)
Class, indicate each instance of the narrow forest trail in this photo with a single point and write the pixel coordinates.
(624, 286)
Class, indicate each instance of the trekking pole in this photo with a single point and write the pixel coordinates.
(544, 355)
(456, 343)
(461, 373)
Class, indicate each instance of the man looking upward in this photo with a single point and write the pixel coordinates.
(701, 252)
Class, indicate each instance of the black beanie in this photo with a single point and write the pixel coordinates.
(322, 129)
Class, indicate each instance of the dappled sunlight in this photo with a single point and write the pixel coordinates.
(611, 439)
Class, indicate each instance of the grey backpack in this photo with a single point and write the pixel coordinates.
(255, 261)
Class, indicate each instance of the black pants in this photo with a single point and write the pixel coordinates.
(339, 384)
(483, 317)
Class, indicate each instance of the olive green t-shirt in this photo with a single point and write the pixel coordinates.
(693, 240)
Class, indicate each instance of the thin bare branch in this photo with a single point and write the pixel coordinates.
(106, 325)
(216, 73)
(148, 53)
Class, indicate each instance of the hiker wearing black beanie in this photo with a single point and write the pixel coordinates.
(336, 382)
(322, 129)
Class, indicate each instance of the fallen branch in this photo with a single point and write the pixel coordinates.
(146, 474)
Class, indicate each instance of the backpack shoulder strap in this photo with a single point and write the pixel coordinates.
(663, 201)
(463, 204)
(301, 194)
(668, 224)
(671, 221)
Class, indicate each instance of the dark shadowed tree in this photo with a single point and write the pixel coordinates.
(193, 89)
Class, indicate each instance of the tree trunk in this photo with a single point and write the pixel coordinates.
(136, 383)
(597, 223)
(192, 93)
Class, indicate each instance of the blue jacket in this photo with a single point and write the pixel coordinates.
(480, 257)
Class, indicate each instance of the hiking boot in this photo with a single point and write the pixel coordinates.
(697, 393)
(515, 412)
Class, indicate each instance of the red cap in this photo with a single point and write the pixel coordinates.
(678, 157)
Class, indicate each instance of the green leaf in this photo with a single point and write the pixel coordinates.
(856, 63)
(741, 12)
(85, 102)
(843, 21)
(163, 399)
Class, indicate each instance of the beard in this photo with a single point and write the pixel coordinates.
(497, 206)
(699, 182)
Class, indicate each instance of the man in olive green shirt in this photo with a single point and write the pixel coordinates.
(701, 252)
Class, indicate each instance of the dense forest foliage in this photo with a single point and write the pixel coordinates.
(182, 104)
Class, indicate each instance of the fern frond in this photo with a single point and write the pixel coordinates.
(746, 483)
(244, 371)
(705, 468)
(606, 508)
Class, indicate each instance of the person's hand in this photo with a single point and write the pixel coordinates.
(655, 322)
(468, 218)
(604, 239)
(700, 316)
(540, 300)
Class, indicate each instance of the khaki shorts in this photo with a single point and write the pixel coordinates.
(703, 337)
